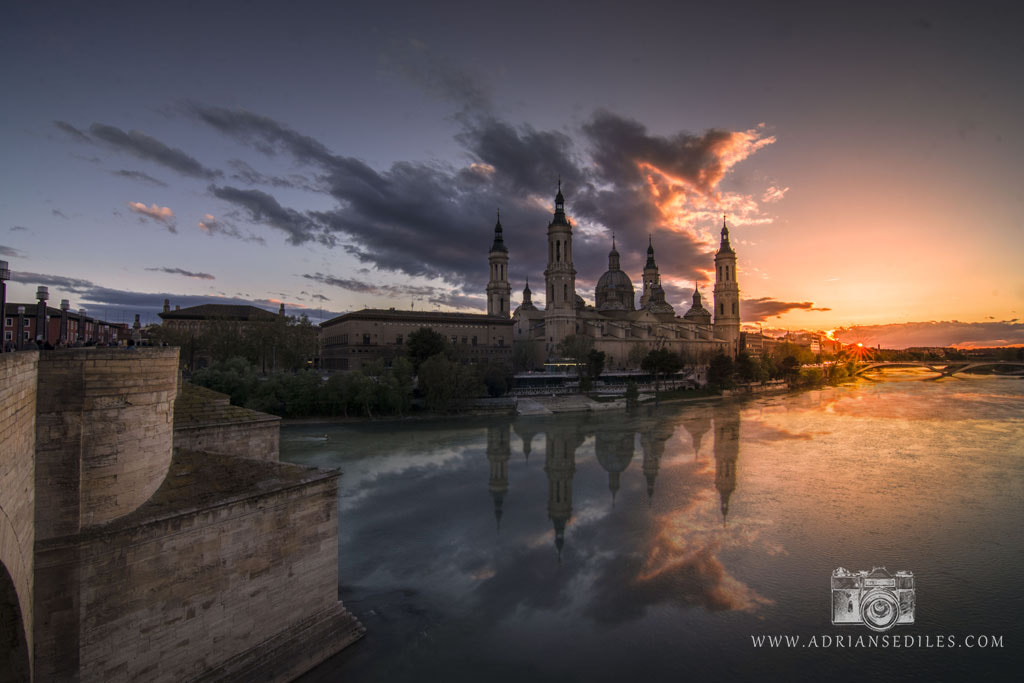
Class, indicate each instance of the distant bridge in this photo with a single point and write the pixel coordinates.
(943, 368)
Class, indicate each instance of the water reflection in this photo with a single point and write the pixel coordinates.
(610, 545)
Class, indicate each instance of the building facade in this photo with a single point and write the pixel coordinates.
(615, 324)
(350, 341)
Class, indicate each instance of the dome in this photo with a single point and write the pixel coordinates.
(614, 292)
(657, 303)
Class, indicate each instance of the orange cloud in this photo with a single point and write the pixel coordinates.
(160, 214)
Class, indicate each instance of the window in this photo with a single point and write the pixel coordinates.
(734, 308)
(565, 293)
(501, 341)
(398, 340)
(9, 323)
(455, 340)
(366, 340)
(8, 335)
(558, 251)
(26, 322)
(501, 304)
(465, 340)
(344, 340)
(474, 340)
(25, 336)
(721, 309)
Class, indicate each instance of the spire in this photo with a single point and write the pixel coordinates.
(696, 294)
(499, 242)
(560, 206)
(725, 247)
(613, 256)
(650, 253)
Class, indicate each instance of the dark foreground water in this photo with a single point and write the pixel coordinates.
(657, 546)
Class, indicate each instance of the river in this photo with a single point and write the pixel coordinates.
(661, 545)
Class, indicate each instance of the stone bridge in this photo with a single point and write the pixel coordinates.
(137, 543)
(943, 368)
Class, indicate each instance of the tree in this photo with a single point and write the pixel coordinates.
(595, 363)
(524, 354)
(790, 368)
(443, 382)
(661, 362)
(747, 369)
(424, 343)
(720, 372)
(637, 353)
(632, 394)
(494, 376)
(576, 347)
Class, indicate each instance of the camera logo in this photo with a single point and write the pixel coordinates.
(877, 599)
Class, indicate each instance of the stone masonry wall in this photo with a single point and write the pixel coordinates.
(257, 440)
(172, 599)
(103, 433)
(17, 480)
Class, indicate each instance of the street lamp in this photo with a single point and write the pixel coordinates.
(5, 275)
(42, 294)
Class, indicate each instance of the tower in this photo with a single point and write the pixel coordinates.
(560, 466)
(727, 294)
(559, 278)
(651, 276)
(498, 454)
(727, 451)
(499, 291)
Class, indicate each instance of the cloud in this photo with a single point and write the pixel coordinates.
(75, 133)
(247, 174)
(179, 271)
(433, 220)
(151, 149)
(140, 176)
(118, 305)
(263, 208)
(19, 228)
(160, 214)
(220, 226)
(774, 194)
(433, 295)
(936, 333)
(755, 310)
(59, 214)
(10, 251)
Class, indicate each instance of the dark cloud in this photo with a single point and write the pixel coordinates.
(755, 310)
(264, 209)
(151, 149)
(433, 295)
(59, 214)
(437, 77)
(180, 271)
(118, 305)
(433, 220)
(19, 228)
(140, 176)
(247, 174)
(263, 133)
(222, 226)
(936, 333)
(75, 133)
(10, 251)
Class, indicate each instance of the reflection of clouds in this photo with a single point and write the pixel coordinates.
(681, 567)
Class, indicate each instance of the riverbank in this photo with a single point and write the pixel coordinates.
(550, 405)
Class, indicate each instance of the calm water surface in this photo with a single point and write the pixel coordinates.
(653, 546)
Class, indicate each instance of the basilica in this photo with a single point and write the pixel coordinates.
(620, 327)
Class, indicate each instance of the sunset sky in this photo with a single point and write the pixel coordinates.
(342, 155)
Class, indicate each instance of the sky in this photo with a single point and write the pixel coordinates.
(336, 156)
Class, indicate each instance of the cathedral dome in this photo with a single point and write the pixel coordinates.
(614, 289)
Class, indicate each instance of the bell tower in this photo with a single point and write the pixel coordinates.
(559, 278)
(727, 295)
(499, 291)
(651, 276)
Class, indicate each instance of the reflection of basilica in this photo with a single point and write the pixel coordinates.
(614, 448)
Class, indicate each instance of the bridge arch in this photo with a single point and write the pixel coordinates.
(14, 655)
